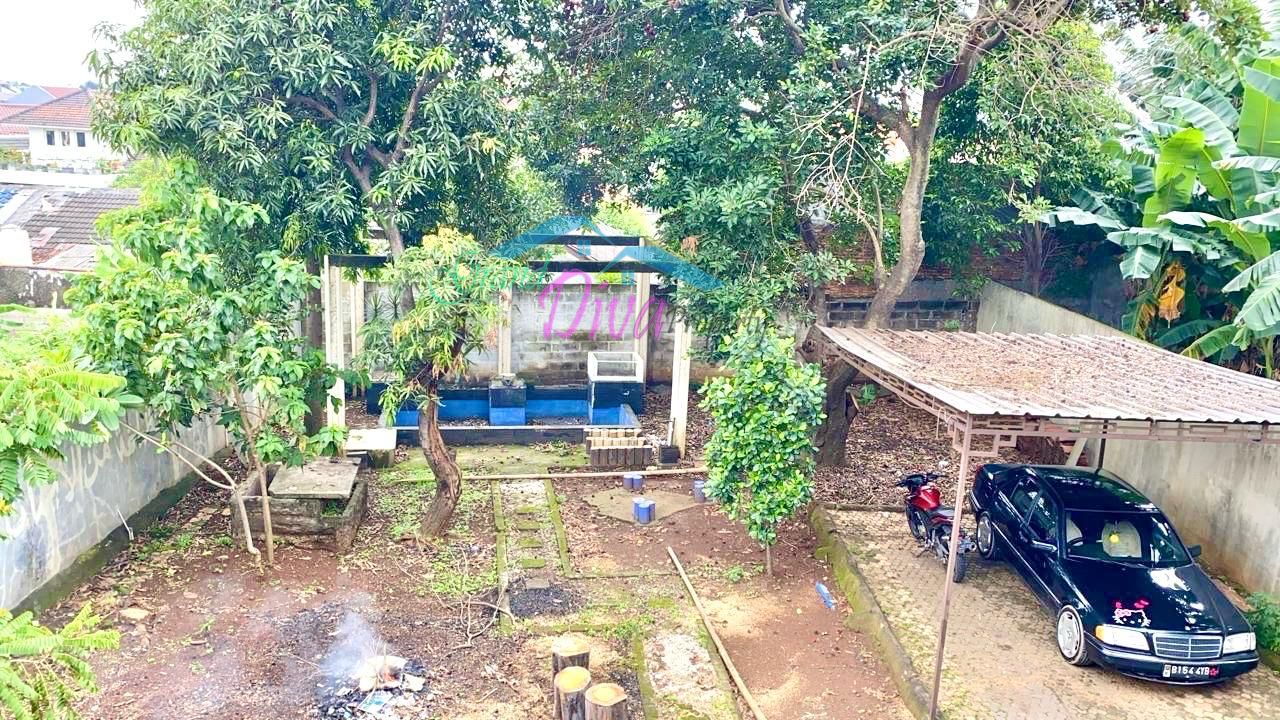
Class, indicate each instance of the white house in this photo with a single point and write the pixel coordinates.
(58, 133)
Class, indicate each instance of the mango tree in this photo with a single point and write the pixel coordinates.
(1201, 231)
(760, 456)
(454, 284)
(159, 310)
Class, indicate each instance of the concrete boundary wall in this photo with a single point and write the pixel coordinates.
(1225, 497)
(97, 489)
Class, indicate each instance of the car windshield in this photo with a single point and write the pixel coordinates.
(1144, 539)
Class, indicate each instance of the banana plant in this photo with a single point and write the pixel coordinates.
(1201, 231)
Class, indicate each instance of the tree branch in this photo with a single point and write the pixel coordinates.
(783, 10)
(373, 101)
(425, 85)
(310, 102)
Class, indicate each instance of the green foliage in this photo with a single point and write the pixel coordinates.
(327, 112)
(159, 310)
(11, 156)
(41, 671)
(1202, 253)
(454, 284)
(1264, 616)
(760, 454)
(49, 396)
(147, 171)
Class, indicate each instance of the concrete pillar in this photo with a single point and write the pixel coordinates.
(330, 286)
(680, 364)
(644, 283)
(505, 317)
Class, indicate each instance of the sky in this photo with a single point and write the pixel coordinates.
(44, 42)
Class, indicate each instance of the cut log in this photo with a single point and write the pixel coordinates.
(606, 701)
(569, 651)
(570, 688)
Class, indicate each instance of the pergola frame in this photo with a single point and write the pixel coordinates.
(997, 432)
(336, 317)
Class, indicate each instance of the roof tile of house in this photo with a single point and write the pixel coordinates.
(71, 111)
(72, 220)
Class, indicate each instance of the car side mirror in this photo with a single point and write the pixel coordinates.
(1044, 547)
(1194, 551)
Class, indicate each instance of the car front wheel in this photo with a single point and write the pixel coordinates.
(986, 538)
(1071, 642)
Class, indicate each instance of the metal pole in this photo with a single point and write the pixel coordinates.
(951, 567)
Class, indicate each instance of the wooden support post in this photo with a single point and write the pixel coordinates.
(505, 317)
(329, 292)
(569, 651)
(680, 365)
(644, 282)
(606, 701)
(570, 687)
(357, 315)
(965, 446)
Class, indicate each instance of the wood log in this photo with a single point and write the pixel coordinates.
(606, 701)
(569, 651)
(570, 688)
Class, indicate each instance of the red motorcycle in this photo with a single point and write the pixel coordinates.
(930, 521)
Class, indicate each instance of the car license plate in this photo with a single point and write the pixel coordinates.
(1190, 671)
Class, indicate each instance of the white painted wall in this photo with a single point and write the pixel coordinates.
(69, 154)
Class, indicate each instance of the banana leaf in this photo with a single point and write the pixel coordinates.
(1076, 216)
(1257, 273)
(1175, 174)
(1140, 262)
(1252, 243)
(1183, 332)
(1260, 112)
(1261, 310)
(1217, 134)
(1211, 343)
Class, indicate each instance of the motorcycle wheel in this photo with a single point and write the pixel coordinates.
(916, 523)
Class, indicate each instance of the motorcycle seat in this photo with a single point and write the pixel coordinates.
(942, 513)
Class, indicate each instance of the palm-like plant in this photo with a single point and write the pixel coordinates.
(1201, 230)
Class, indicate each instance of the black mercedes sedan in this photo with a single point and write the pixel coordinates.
(1127, 593)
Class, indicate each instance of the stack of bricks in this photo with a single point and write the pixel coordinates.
(618, 448)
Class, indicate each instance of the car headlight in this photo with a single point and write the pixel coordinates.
(1240, 642)
(1122, 637)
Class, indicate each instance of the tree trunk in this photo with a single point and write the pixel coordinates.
(910, 209)
(606, 701)
(768, 560)
(268, 536)
(569, 651)
(833, 432)
(448, 480)
(313, 331)
(570, 687)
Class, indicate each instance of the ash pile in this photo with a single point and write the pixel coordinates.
(361, 680)
(382, 687)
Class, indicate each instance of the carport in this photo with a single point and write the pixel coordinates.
(988, 390)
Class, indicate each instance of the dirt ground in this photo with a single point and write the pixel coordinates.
(888, 439)
(217, 640)
(794, 653)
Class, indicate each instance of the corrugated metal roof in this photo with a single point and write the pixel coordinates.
(1064, 376)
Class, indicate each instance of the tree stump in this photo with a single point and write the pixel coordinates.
(606, 701)
(569, 651)
(570, 693)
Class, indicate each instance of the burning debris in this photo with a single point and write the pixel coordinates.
(361, 681)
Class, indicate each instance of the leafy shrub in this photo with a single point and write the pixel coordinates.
(1264, 615)
(42, 671)
(761, 452)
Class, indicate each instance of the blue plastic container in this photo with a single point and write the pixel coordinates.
(633, 482)
(643, 510)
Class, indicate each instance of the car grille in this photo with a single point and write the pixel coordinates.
(1188, 647)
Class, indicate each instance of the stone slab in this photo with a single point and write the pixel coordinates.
(378, 443)
(616, 503)
(324, 479)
